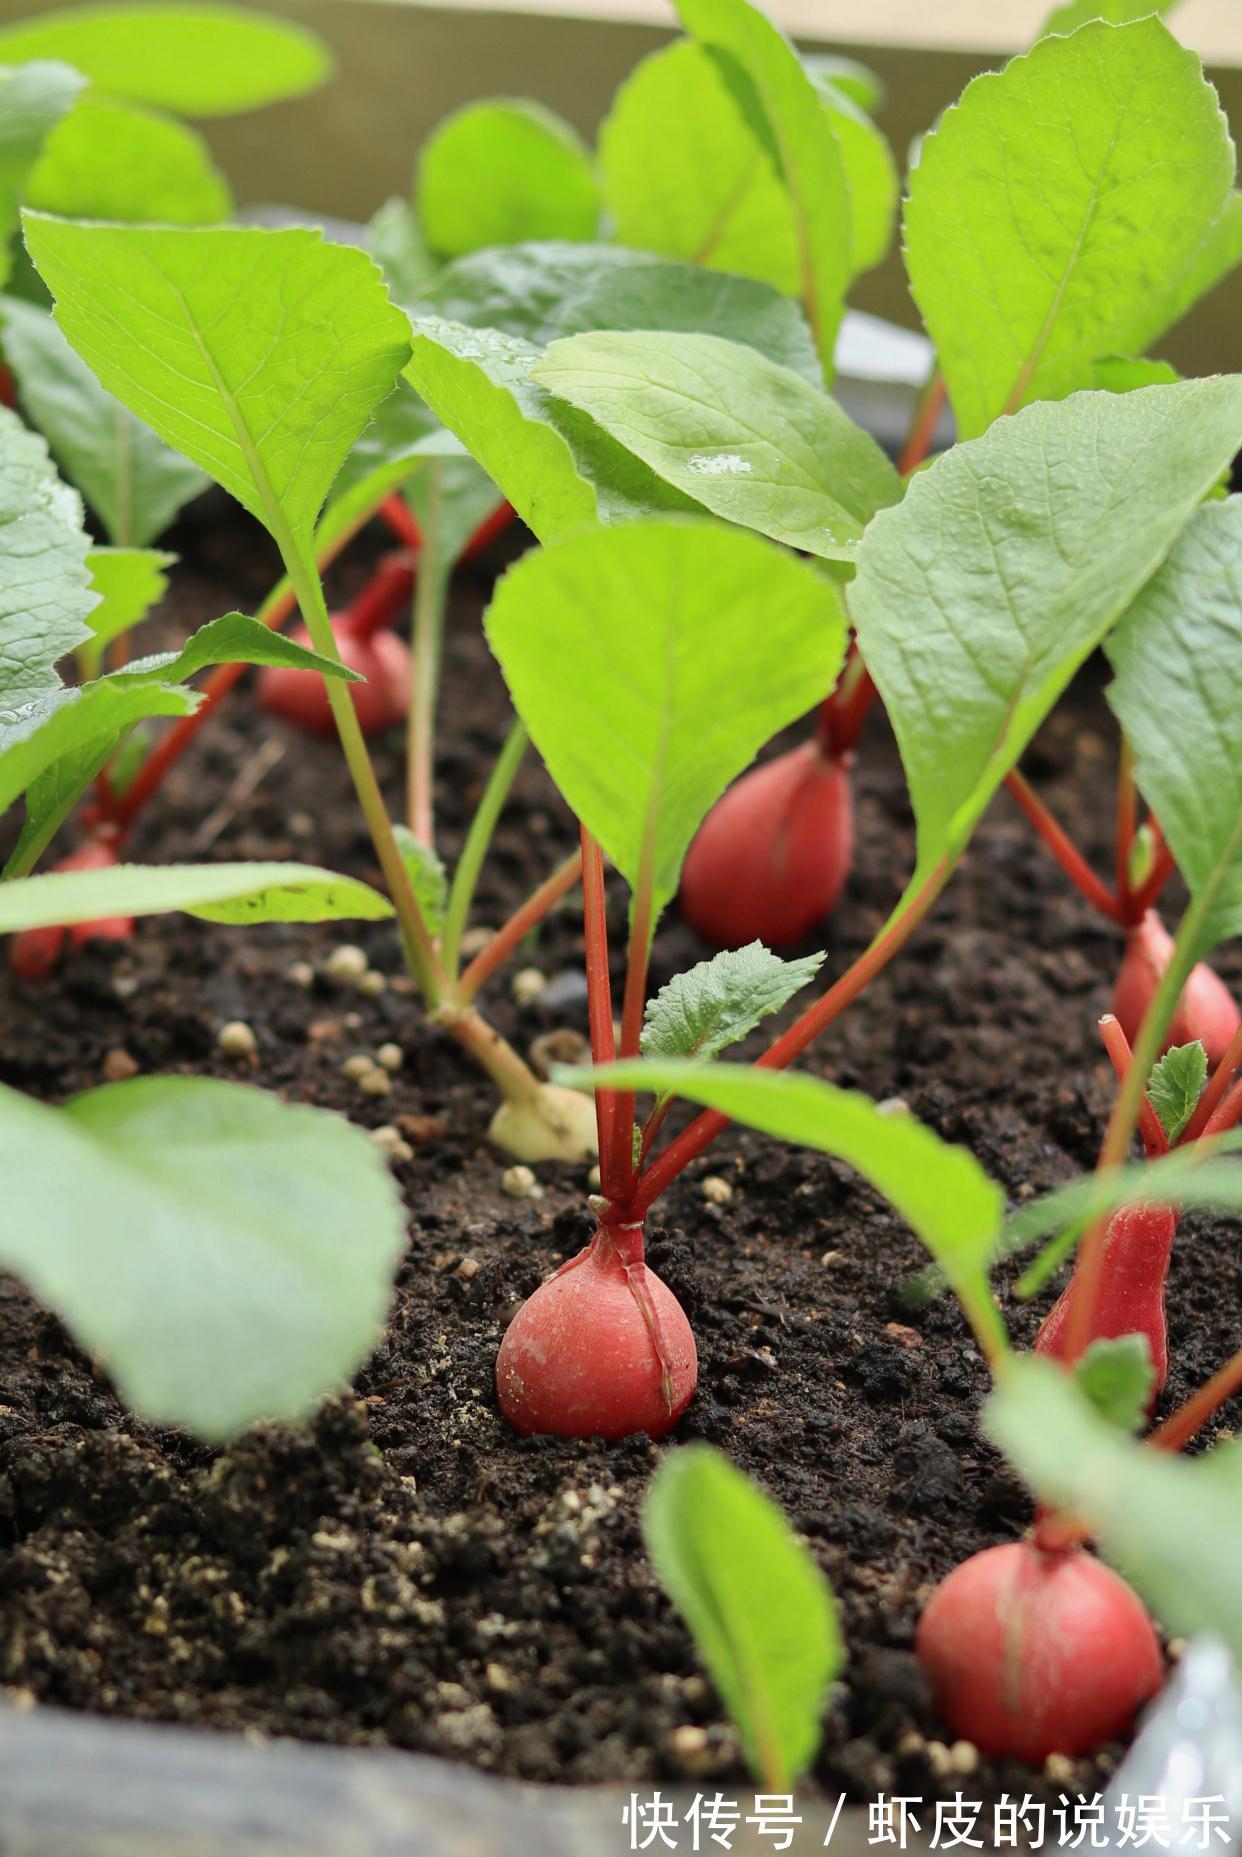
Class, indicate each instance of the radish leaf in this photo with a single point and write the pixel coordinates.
(108, 160)
(760, 1611)
(45, 592)
(1116, 1376)
(496, 173)
(1176, 1084)
(1055, 201)
(632, 657)
(129, 582)
(753, 442)
(260, 355)
(192, 1234)
(230, 893)
(720, 1001)
(32, 101)
(427, 875)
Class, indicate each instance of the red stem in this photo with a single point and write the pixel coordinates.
(519, 926)
(599, 997)
(1148, 893)
(1118, 1047)
(1218, 1083)
(1180, 1426)
(923, 428)
(1063, 849)
(1225, 1115)
(638, 957)
(489, 530)
(396, 512)
(660, 1174)
(845, 709)
(383, 599)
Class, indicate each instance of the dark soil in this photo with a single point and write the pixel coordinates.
(406, 1570)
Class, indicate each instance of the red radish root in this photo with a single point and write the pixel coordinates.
(34, 953)
(1206, 1011)
(366, 646)
(1133, 1269)
(1032, 1653)
(771, 858)
(602, 1349)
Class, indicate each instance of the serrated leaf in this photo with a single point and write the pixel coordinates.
(1053, 202)
(1009, 559)
(1116, 1377)
(940, 1190)
(759, 1609)
(133, 481)
(1074, 13)
(545, 290)
(718, 1002)
(190, 1233)
(427, 876)
(199, 60)
(229, 893)
(32, 101)
(752, 442)
(129, 582)
(45, 592)
(559, 470)
(261, 355)
(1169, 1523)
(764, 71)
(1176, 1084)
(495, 173)
(1177, 693)
(109, 160)
(630, 655)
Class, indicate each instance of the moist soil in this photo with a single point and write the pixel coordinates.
(406, 1571)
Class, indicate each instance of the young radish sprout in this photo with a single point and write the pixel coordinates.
(283, 479)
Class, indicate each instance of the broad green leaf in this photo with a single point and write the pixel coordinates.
(1116, 1376)
(129, 582)
(1074, 13)
(753, 442)
(543, 291)
(133, 481)
(846, 77)
(870, 173)
(760, 1611)
(227, 1256)
(427, 876)
(387, 453)
(108, 160)
(45, 591)
(1219, 253)
(1123, 373)
(1169, 1523)
(394, 239)
(558, 469)
(1008, 560)
(32, 101)
(763, 69)
(231, 893)
(650, 663)
(196, 59)
(717, 1002)
(497, 173)
(1177, 693)
(261, 355)
(940, 1190)
(1176, 1085)
(1053, 203)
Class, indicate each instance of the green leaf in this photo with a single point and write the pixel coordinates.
(129, 582)
(1008, 560)
(870, 173)
(1177, 693)
(1116, 1376)
(450, 497)
(941, 1191)
(753, 442)
(846, 77)
(1123, 373)
(32, 102)
(196, 60)
(394, 239)
(108, 160)
(1074, 13)
(134, 483)
(1169, 1523)
(650, 663)
(1219, 253)
(543, 291)
(763, 69)
(1176, 1085)
(230, 893)
(428, 877)
(558, 469)
(1053, 202)
(261, 355)
(720, 1001)
(497, 173)
(760, 1611)
(45, 593)
(227, 1256)
(388, 452)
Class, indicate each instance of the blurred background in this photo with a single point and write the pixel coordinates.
(403, 65)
